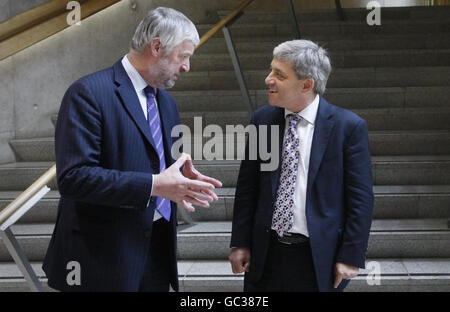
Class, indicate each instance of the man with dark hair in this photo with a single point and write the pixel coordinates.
(304, 226)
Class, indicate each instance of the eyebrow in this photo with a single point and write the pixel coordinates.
(278, 71)
(187, 52)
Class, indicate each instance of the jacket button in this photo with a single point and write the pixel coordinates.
(155, 166)
(148, 234)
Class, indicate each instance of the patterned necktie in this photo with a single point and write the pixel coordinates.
(283, 216)
(162, 204)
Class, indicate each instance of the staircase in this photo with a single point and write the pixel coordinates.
(396, 76)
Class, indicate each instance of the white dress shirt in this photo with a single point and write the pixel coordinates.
(305, 131)
(139, 85)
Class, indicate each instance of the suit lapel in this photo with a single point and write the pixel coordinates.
(279, 120)
(323, 127)
(130, 101)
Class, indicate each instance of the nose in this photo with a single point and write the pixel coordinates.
(268, 81)
(185, 66)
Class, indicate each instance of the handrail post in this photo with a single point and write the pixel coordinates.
(13, 212)
(291, 10)
(236, 64)
(21, 260)
(339, 10)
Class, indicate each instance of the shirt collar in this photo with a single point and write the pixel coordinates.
(309, 113)
(138, 82)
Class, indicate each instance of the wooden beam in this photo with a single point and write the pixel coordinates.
(28, 28)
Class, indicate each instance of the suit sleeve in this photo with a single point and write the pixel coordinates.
(246, 198)
(80, 174)
(358, 198)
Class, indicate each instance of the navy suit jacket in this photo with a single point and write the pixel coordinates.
(105, 158)
(339, 198)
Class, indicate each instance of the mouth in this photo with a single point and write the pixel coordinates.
(273, 91)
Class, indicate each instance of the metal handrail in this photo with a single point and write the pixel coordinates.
(14, 211)
(223, 22)
(26, 195)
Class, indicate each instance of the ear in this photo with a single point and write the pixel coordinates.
(308, 85)
(155, 47)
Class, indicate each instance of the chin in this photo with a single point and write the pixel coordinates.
(169, 84)
(275, 103)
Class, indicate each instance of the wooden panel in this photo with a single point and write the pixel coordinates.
(441, 2)
(30, 27)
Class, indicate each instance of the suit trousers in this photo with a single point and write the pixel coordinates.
(288, 268)
(156, 276)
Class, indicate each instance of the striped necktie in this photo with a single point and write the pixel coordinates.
(162, 204)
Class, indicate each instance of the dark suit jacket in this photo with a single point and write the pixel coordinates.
(105, 157)
(339, 199)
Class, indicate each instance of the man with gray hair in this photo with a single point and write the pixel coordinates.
(304, 226)
(119, 185)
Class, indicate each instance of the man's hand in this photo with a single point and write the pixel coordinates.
(240, 260)
(344, 271)
(174, 186)
(191, 173)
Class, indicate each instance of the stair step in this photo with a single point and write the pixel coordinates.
(337, 28)
(210, 240)
(350, 98)
(352, 14)
(397, 170)
(409, 142)
(12, 280)
(216, 275)
(410, 170)
(396, 275)
(33, 239)
(382, 143)
(433, 118)
(20, 175)
(387, 170)
(36, 149)
(388, 238)
(340, 59)
(411, 201)
(362, 77)
(391, 202)
(44, 211)
(352, 42)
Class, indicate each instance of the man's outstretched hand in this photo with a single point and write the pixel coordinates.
(186, 188)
